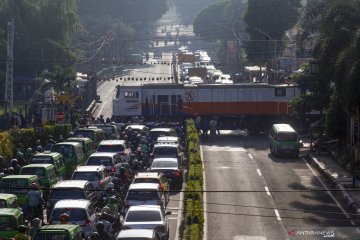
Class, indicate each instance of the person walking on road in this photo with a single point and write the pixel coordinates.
(35, 202)
(213, 126)
(205, 129)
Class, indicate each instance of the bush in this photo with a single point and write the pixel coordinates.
(194, 216)
(6, 146)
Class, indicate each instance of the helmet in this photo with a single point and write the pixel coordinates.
(94, 236)
(21, 229)
(39, 149)
(35, 222)
(113, 200)
(70, 134)
(64, 217)
(29, 150)
(34, 186)
(105, 209)
(38, 141)
(110, 185)
(14, 161)
(126, 166)
(100, 226)
(50, 136)
(19, 154)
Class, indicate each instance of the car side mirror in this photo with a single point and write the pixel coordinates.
(167, 213)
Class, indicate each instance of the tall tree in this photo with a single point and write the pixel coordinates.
(267, 22)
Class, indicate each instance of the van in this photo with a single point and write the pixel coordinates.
(19, 185)
(59, 231)
(87, 144)
(284, 140)
(95, 134)
(53, 158)
(8, 201)
(45, 172)
(73, 154)
(10, 220)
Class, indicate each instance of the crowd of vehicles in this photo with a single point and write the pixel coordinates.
(121, 187)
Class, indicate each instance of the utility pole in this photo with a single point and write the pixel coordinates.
(9, 84)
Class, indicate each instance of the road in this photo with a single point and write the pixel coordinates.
(252, 208)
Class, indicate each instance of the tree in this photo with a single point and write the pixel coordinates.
(267, 21)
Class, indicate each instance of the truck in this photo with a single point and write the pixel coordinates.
(186, 57)
(198, 72)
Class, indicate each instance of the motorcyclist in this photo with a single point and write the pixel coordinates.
(28, 154)
(128, 171)
(100, 228)
(64, 218)
(35, 226)
(15, 165)
(61, 138)
(38, 146)
(21, 158)
(125, 180)
(21, 234)
(35, 201)
(50, 142)
(107, 219)
(94, 236)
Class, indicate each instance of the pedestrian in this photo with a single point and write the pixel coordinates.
(213, 126)
(198, 122)
(35, 202)
(35, 226)
(205, 128)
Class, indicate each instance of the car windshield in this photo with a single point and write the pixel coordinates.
(142, 195)
(165, 151)
(84, 134)
(143, 216)
(287, 137)
(67, 193)
(65, 150)
(41, 160)
(111, 148)
(88, 176)
(97, 161)
(51, 236)
(40, 172)
(6, 223)
(74, 213)
(14, 186)
(146, 180)
(107, 129)
(155, 134)
(164, 164)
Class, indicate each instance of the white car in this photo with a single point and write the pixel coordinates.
(224, 79)
(81, 213)
(148, 217)
(195, 80)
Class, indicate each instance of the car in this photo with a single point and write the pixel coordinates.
(154, 177)
(81, 213)
(171, 168)
(98, 176)
(71, 189)
(8, 201)
(138, 127)
(144, 194)
(195, 80)
(109, 129)
(157, 132)
(111, 161)
(115, 146)
(10, 220)
(87, 144)
(224, 79)
(95, 134)
(161, 150)
(59, 231)
(54, 158)
(143, 234)
(147, 217)
(168, 139)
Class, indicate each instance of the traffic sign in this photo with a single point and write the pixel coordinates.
(60, 116)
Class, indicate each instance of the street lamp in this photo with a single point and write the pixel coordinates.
(275, 50)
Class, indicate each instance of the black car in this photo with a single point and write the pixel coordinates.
(171, 168)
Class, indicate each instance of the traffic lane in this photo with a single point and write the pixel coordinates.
(233, 213)
(175, 206)
(307, 210)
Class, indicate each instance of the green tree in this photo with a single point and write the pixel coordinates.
(267, 21)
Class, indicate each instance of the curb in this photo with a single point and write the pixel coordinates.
(347, 199)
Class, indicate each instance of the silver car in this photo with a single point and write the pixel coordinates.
(145, 194)
(143, 234)
(148, 217)
(97, 175)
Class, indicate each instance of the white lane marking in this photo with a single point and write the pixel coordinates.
(328, 192)
(204, 197)
(102, 85)
(250, 156)
(224, 149)
(277, 215)
(247, 237)
(104, 103)
(179, 214)
(267, 191)
(258, 171)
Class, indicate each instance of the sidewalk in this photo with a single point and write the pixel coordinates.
(339, 178)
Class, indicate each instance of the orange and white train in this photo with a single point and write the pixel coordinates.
(182, 100)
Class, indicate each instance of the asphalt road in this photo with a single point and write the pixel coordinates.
(266, 197)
